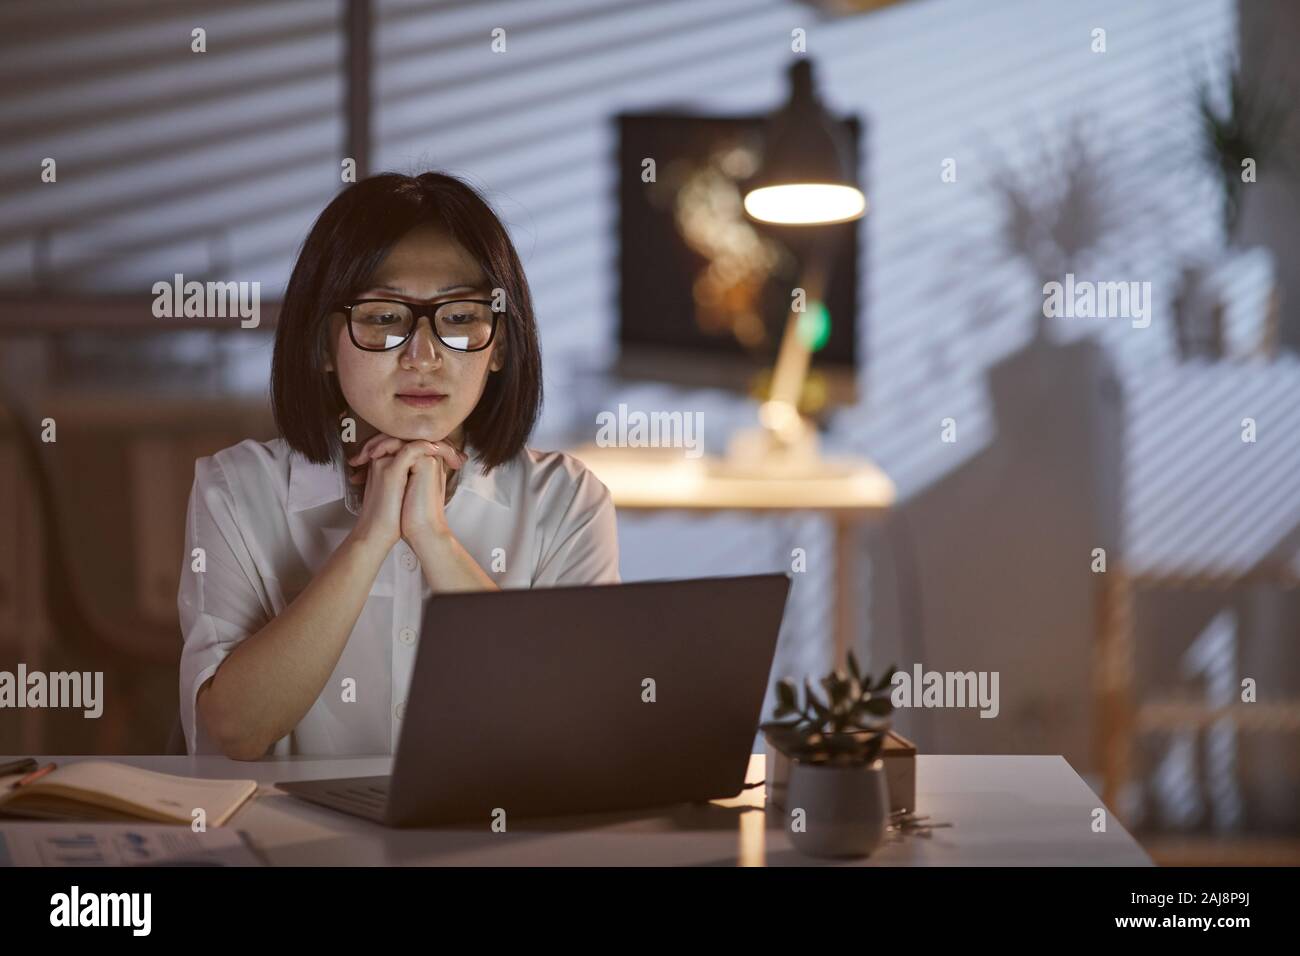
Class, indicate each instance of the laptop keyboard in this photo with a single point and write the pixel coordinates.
(371, 796)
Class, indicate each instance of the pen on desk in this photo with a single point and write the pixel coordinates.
(35, 775)
(26, 765)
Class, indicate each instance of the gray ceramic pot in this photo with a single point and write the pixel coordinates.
(845, 809)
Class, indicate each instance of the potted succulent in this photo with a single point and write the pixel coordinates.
(823, 761)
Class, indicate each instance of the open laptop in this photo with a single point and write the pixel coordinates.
(575, 700)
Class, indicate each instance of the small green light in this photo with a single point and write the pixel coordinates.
(815, 326)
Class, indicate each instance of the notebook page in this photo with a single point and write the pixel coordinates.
(161, 792)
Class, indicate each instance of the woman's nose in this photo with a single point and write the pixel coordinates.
(421, 350)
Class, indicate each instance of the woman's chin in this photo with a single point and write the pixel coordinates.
(418, 426)
(410, 424)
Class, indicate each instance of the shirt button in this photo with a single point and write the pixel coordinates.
(408, 560)
(406, 635)
(400, 710)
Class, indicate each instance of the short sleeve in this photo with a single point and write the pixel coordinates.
(584, 549)
(221, 597)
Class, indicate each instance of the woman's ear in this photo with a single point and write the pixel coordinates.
(498, 357)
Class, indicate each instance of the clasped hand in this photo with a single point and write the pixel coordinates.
(406, 487)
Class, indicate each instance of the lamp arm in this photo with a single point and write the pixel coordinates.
(794, 356)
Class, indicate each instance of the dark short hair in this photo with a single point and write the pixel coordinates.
(345, 246)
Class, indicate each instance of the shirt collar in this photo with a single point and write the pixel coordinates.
(312, 485)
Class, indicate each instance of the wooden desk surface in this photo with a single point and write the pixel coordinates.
(655, 479)
(1006, 811)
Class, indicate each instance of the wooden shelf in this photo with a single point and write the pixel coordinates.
(1178, 714)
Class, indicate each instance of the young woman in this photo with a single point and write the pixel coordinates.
(405, 380)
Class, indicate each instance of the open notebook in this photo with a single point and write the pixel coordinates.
(100, 790)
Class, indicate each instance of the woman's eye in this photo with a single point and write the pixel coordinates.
(459, 317)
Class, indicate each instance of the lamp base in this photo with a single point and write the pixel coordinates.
(761, 452)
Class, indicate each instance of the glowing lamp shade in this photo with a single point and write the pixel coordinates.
(806, 176)
(805, 203)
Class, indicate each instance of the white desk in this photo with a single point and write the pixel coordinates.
(1007, 811)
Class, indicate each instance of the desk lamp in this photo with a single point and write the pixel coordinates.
(804, 182)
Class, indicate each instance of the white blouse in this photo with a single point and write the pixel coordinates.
(267, 519)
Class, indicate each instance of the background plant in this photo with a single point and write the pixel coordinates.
(1244, 124)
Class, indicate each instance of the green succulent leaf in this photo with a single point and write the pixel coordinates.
(880, 706)
(886, 679)
(820, 710)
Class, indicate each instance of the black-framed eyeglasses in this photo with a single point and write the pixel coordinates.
(378, 325)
